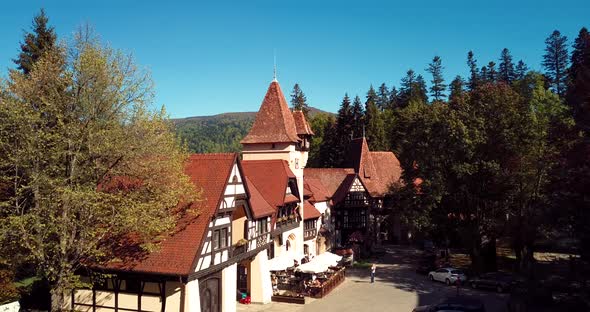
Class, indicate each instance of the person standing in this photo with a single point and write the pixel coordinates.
(373, 268)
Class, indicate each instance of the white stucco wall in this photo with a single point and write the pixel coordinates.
(229, 287)
(260, 284)
(192, 297)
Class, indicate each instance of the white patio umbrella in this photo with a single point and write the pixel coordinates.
(329, 258)
(313, 266)
(284, 261)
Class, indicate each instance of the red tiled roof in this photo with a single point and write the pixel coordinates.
(317, 189)
(274, 121)
(260, 207)
(379, 171)
(290, 198)
(176, 253)
(301, 124)
(270, 177)
(336, 181)
(310, 211)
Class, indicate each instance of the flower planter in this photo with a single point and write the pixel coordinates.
(288, 299)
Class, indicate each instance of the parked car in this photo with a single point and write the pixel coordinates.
(448, 276)
(498, 281)
(454, 304)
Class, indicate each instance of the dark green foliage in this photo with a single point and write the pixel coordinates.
(521, 70)
(438, 86)
(393, 98)
(491, 74)
(578, 92)
(374, 126)
(473, 72)
(330, 157)
(506, 72)
(319, 123)
(406, 88)
(36, 43)
(419, 90)
(358, 117)
(214, 134)
(457, 91)
(555, 61)
(299, 101)
(383, 97)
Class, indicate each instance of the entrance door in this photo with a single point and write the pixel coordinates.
(242, 278)
(210, 293)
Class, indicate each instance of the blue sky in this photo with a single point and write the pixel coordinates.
(210, 58)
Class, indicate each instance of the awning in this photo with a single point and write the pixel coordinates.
(313, 266)
(284, 261)
(328, 258)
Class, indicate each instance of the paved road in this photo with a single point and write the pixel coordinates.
(397, 288)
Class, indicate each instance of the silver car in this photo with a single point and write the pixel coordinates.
(449, 276)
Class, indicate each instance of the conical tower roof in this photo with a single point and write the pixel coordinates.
(274, 121)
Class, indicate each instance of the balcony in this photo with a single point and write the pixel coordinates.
(286, 223)
(310, 234)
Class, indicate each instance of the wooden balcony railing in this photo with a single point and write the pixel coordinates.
(310, 234)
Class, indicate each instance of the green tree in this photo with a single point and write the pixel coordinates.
(383, 97)
(358, 117)
(555, 61)
(521, 70)
(419, 90)
(36, 43)
(319, 123)
(491, 73)
(457, 91)
(578, 91)
(299, 101)
(506, 69)
(473, 72)
(87, 161)
(393, 98)
(406, 90)
(438, 82)
(374, 126)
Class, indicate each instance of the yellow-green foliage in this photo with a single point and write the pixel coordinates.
(85, 159)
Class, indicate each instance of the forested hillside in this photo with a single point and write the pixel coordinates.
(218, 133)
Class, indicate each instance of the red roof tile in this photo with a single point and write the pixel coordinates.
(176, 253)
(260, 207)
(310, 211)
(274, 121)
(301, 124)
(317, 189)
(336, 181)
(290, 198)
(379, 171)
(270, 177)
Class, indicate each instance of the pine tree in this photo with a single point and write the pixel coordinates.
(299, 101)
(578, 92)
(506, 68)
(357, 117)
(484, 74)
(555, 61)
(374, 126)
(492, 74)
(456, 90)
(521, 70)
(345, 119)
(438, 83)
(406, 87)
(419, 90)
(473, 72)
(393, 98)
(40, 40)
(383, 97)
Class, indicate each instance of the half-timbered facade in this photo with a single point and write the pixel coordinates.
(196, 267)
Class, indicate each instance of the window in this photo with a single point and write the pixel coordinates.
(262, 226)
(309, 224)
(288, 245)
(355, 218)
(132, 286)
(305, 249)
(220, 238)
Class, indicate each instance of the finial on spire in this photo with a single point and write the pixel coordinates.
(363, 131)
(274, 77)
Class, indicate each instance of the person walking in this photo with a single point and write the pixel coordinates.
(373, 268)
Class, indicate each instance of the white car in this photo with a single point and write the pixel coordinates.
(448, 276)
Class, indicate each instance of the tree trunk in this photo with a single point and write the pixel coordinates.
(489, 255)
